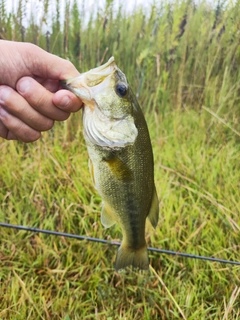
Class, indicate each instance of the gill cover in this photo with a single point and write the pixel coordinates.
(102, 131)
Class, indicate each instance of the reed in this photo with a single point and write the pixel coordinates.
(182, 60)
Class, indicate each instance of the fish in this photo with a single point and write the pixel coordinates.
(121, 160)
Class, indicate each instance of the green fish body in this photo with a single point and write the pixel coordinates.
(120, 158)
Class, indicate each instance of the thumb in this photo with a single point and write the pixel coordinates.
(46, 65)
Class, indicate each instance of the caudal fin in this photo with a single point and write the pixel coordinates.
(130, 257)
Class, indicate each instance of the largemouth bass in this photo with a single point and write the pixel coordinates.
(120, 157)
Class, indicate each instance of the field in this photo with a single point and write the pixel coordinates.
(182, 61)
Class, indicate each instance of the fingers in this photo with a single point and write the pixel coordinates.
(67, 101)
(24, 116)
(49, 84)
(40, 99)
(5, 133)
(20, 59)
(12, 128)
(18, 107)
(30, 99)
(32, 108)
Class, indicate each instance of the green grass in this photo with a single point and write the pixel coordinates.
(188, 87)
(47, 185)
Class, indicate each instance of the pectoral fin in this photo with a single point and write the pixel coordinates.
(107, 217)
(119, 169)
(153, 214)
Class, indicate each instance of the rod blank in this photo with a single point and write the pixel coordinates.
(116, 243)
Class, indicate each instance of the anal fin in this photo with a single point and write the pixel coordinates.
(107, 217)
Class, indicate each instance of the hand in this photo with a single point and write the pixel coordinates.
(31, 97)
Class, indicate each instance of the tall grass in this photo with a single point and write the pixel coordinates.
(182, 61)
(188, 51)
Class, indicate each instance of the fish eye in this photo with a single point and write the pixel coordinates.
(121, 89)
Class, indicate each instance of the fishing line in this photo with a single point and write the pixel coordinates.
(116, 243)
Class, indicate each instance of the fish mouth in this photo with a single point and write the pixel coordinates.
(85, 85)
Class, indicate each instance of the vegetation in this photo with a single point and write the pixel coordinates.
(182, 60)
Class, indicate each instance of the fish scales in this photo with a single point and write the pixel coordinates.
(121, 158)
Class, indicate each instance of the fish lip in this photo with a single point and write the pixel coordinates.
(64, 84)
(78, 87)
(96, 76)
(110, 62)
(83, 86)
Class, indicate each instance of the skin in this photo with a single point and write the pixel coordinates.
(31, 98)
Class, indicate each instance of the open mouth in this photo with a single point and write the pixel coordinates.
(86, 85)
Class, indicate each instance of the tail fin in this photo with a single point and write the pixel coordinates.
(130, 257)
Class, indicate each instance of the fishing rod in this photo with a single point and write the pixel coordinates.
(116, 243)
